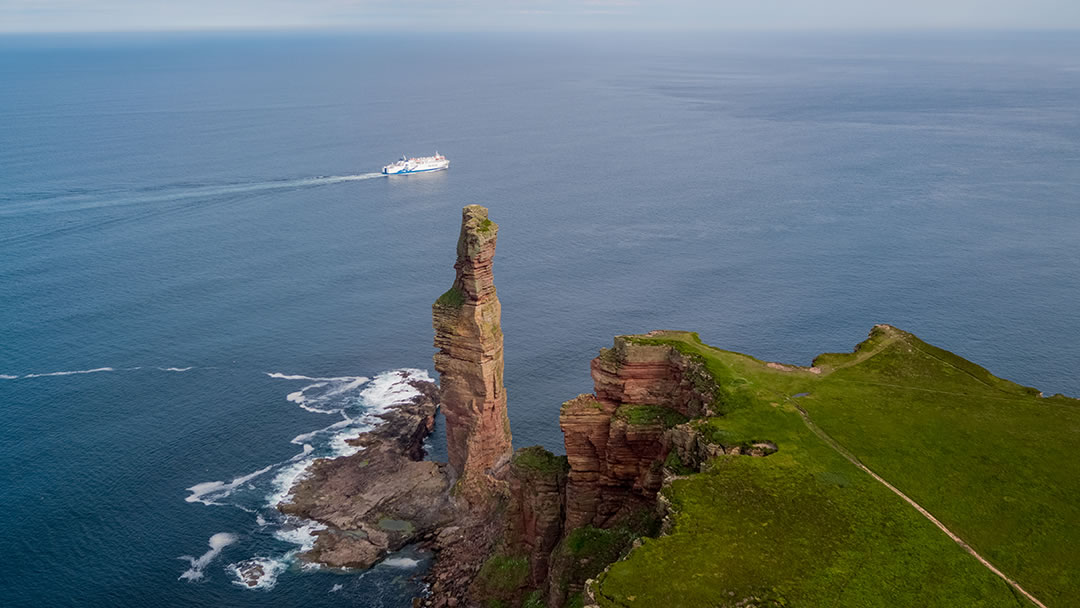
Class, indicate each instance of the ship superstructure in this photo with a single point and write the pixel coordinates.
(422, 164)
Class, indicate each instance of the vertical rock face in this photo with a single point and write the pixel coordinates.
(652, 374)
(585, 423)
(536, 507)
(470, 358)
(617, 439)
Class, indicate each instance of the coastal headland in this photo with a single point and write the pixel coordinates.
(899, 474)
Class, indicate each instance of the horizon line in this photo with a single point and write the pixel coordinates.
(546, 30)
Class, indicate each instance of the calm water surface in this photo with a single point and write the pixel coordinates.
(191, 219)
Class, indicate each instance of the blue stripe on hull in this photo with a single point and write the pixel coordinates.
(418, 171)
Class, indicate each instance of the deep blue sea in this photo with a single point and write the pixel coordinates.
(190, 224)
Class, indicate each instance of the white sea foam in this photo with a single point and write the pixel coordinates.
(285, 480)
(337, 587)
(271, 568)
(357, 399)
(93, 371)
(405, 563)
(281, 376)
(217, 542)
(209, 492)
(390, 388)
(299, 532)
(295, 531)
(322, 396)
(304, 438)
(71, 373)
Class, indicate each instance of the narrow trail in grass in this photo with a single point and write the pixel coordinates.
(855, 461)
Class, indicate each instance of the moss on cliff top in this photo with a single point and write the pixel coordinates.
(535, 459)
(650, 414)
(582, 401)
(501, 577)
(453, 298)
(727, 386)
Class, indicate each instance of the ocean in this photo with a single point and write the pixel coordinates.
(205, 284)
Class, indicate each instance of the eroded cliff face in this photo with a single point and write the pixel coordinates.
(470, 359)
(537, 508)
(631, 372)
(617, 439)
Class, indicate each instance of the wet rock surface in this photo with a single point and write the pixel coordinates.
(381, 498)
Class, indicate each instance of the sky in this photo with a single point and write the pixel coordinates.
(517, 15)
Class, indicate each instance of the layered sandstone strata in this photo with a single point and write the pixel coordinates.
(656, 374)
(616, 440)
(537, 506)
(470, 358)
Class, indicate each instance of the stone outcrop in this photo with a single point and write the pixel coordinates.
(656, 374)
(381, 498)
(617, 439)
(470, 360)
(534, 521)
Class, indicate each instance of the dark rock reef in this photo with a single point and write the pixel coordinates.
(381, 498)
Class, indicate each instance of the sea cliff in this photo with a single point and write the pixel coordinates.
(695, 476)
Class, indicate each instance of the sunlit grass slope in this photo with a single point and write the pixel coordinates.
(804, 527)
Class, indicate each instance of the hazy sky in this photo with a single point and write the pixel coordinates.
(499, 15)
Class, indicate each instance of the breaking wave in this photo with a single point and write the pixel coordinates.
(405, 563)
(72, 373)
(356, 401)
(208, 492)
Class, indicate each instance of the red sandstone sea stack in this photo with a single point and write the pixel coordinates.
(470, 360)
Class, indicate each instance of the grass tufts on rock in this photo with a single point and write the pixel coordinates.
(650, 414)
(501, 576)
(535, 459)
(453, 298)
(534, 600)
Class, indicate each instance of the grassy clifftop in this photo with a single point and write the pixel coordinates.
(991, 459)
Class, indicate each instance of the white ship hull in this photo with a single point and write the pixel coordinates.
(426, 164)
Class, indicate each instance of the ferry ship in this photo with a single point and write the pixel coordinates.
(423, 164)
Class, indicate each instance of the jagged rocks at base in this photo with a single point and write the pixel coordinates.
(469, 337)
(502, 556)
(382, 497)
(461, 551)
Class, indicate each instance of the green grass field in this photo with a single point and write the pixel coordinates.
(805, 527)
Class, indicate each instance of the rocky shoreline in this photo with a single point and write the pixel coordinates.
(381, 498)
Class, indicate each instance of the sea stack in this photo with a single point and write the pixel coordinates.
(469, 337)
